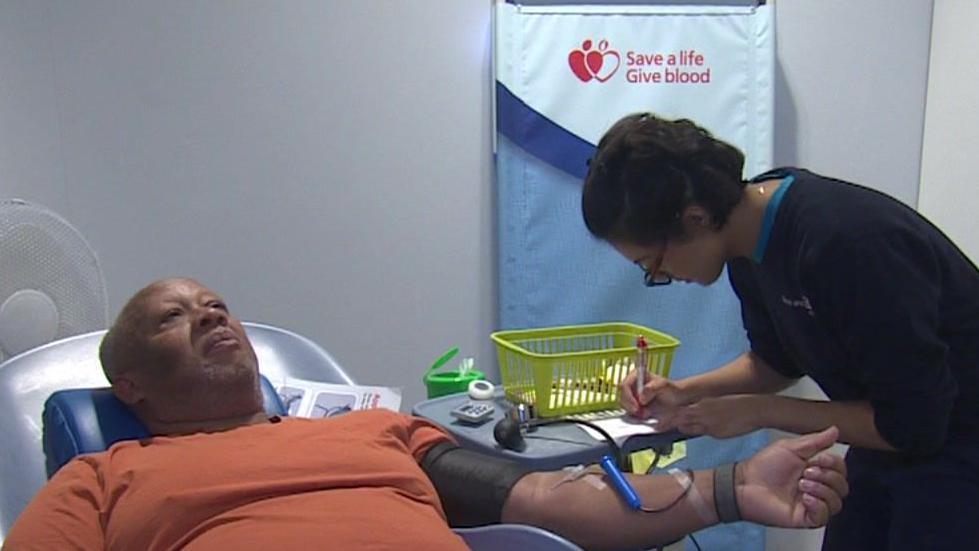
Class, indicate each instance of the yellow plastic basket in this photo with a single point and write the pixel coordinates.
(576, 368)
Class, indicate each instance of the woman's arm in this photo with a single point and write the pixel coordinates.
(747, 373)
(729, 416)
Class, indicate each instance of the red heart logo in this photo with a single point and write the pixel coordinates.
(594, 60)
(577, 62)
(610, 68)
(599, 64)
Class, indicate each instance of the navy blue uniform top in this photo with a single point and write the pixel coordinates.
(873, 302)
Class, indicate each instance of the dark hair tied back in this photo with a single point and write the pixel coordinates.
(647, 170)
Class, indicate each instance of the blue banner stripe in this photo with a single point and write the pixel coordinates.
(540, 136)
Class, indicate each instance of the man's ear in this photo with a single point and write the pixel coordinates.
(127, 390)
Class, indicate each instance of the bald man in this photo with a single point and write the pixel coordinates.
(221, 474)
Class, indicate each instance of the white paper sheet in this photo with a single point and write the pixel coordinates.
(617, 424)
(313, 399)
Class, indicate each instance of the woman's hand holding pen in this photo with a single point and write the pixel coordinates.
(666, 400)
(658, 396)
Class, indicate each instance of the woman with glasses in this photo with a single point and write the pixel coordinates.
(837, 282)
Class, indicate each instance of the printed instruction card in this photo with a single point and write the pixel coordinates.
(303, 398)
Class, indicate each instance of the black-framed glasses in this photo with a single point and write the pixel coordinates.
(652, 277)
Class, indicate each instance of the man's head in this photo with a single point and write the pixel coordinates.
(176, 356)
(656, 188)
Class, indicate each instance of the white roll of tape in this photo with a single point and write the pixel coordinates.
(481, 390)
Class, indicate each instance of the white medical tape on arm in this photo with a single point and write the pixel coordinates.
(697, 500)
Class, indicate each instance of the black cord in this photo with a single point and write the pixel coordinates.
(692, 539)
(676, 500)
(652, 467)
(616, 450)
(656, 458)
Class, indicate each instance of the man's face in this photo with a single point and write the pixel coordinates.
(192, 360)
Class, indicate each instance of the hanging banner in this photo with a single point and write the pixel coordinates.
(564, 75)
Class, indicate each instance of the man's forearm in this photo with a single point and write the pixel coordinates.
(746, 374)
(596, 517)
(855, 419)
(788, 484)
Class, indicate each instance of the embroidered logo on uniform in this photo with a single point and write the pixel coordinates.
(800, 303)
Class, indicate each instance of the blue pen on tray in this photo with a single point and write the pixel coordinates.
(621, 484)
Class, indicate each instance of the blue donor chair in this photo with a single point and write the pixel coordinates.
(55, 398)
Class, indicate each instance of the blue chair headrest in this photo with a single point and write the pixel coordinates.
(88, 420)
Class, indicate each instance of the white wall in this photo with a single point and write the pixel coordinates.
(324, 164)
(949, 163)
(851, 89)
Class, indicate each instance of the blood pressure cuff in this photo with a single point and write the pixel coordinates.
(472, 486)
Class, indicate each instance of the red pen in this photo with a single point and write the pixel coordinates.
(641, 364)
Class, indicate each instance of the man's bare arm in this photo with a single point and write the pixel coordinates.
(786, 484)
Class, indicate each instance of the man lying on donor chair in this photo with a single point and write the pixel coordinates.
(221, 474)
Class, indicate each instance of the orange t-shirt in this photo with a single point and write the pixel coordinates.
(349, 482)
